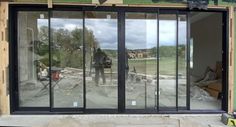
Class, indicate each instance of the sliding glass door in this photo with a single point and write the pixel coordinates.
(83, 60)
(67, 59)
(156, 61)
(101, 59)
(141, 60)
(72, 60)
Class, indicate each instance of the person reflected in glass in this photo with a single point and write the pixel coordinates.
(126, 64)
(99, 58)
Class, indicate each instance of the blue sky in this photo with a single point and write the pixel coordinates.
(140, 34)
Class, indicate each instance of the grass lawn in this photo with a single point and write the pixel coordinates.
(167, 66)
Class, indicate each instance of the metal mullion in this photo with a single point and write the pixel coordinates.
(13, 60)
(84, 55)
(51, 97)
(121, 61)
(225, 59)
(177, 59)
(188, 62)
(157, 91)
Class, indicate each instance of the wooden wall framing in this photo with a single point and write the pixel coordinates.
(231, 60)
(4, 94)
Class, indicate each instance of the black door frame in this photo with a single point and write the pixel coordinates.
(13, 66)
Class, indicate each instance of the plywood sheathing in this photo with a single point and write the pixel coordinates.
(107, 1)
(231, 60)
(4, 94)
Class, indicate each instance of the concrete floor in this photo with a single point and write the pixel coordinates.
(205, 120)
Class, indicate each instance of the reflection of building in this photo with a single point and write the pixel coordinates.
(133, 54)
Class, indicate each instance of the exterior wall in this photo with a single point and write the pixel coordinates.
(4, 95)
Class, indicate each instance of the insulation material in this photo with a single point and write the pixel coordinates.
(200, 94)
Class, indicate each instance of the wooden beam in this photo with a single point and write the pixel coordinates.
(49, 3)
(231, 60)
(4, 97)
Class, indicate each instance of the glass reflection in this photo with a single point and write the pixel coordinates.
(67, 59)
(33, 59)
(167, 60)
(182, 58)
(141, 62)
(101, 59)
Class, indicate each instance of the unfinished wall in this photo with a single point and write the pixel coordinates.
(207, 43)
(4, 95)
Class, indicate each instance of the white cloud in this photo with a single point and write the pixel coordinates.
(140, 33)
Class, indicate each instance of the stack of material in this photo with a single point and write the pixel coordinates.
(212, 82)
(214, 88)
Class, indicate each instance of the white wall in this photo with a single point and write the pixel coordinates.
(207, 43)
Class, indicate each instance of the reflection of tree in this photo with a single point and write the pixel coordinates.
(168, 51)
(67, 46)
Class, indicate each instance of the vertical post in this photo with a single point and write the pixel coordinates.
(84, 60)
(50, 60)
(177, 60)
(145, 95)
(232, 52)
(121, 61)
(188, 62)
(49, 3)
(158, 58)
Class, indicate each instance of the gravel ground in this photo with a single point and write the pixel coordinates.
(199, 120)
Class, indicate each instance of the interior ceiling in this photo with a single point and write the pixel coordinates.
(196, 16)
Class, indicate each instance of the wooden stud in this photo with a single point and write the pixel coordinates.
(4, 97)
(49, 3)
(231, 60)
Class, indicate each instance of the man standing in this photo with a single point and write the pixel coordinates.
(99, 58)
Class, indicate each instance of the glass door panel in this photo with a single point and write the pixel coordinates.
(33, 58)
(67, 59)
(182, 60)
(167, 60)
(141, 60)
(101, 59)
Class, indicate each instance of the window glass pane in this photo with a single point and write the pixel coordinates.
(182, 59)
(141, 60)
(206, 52)
(167, 60)
(67, 58)
(101, 59)
(33, 59)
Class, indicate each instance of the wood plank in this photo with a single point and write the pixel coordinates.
(4, 97)
(231, 60)
(49, 3)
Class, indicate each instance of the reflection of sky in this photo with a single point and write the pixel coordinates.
(105, 31)
(140, 34)
(68, 24)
